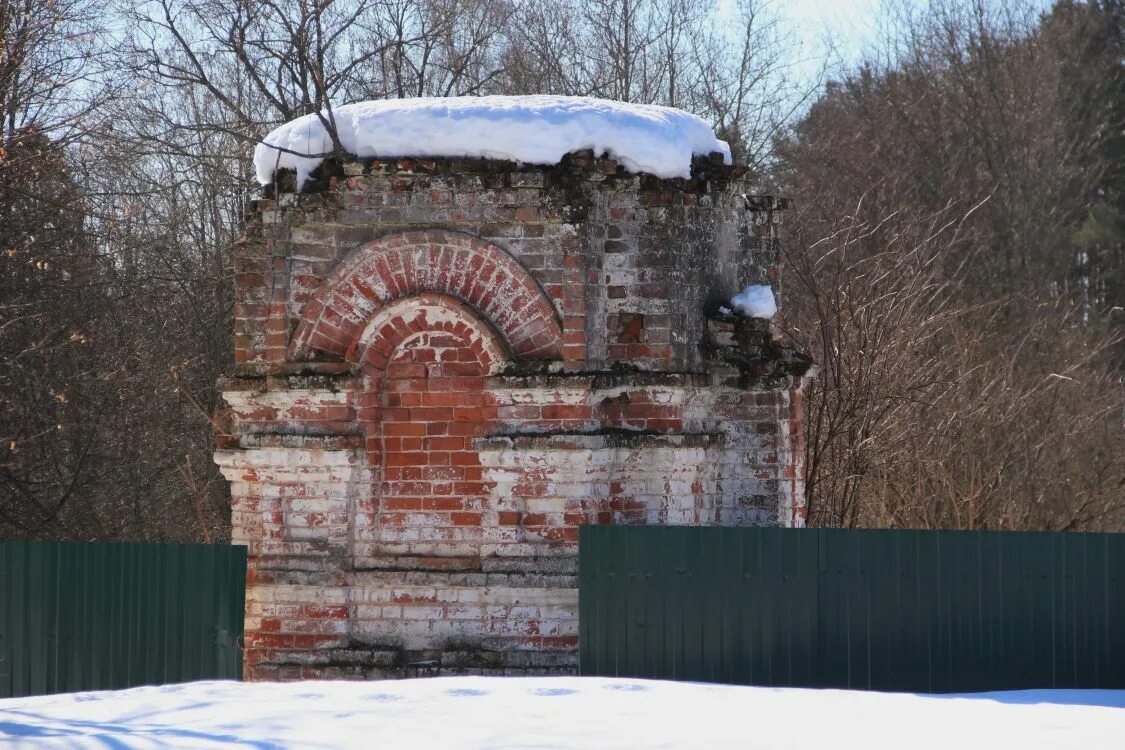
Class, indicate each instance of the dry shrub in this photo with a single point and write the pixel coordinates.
(934, 410)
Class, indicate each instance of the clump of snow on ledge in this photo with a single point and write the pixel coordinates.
(533, 129)
(756, 301)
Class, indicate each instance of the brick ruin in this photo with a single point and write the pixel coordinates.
(446, 367)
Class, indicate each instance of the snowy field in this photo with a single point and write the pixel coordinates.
(472, 713)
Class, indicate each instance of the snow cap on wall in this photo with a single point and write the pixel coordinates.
(534, 129)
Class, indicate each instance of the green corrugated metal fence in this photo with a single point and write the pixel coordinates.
(928, 611)
(104, 615)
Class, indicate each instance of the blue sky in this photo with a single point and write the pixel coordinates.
(851, 24)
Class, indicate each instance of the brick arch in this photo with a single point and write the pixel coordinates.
(406, 264)
(423, 402)
(410, 317)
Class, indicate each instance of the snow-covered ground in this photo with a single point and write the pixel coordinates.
(532, 129)
(561, 712)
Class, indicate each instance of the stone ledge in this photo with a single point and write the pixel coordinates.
(581, 441)
(332, 382)
(502, 587)
(262, 369)
(261, 440)
(417, 569)
(597, 380)
(310, 462)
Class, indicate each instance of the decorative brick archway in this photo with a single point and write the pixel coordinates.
(424, 359)
(424, 339)
(405, 264)
(409, 317)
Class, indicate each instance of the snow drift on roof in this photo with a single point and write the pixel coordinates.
(532, 129)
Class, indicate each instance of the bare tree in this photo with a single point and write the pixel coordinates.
(53, 68)
(966, 381)
(680, 53)
(96, 303)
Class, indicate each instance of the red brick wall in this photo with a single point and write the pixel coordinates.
(433, 407)
(447, 367)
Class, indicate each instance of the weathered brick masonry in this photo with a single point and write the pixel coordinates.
(444, 368)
